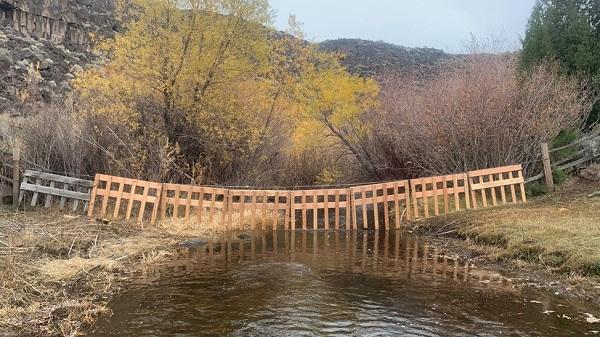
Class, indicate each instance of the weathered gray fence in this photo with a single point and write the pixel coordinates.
(55, 189)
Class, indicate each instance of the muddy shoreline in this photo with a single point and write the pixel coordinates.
(446, 235)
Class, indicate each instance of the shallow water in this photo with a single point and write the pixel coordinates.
(334, 284)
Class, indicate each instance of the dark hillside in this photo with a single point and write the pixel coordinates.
(372, 58)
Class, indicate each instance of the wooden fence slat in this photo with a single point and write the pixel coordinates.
(375, 208)
(326, 210)
(119, 198)
(130, 203)
(337, 210)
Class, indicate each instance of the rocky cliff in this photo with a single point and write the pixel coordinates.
(50, 35)
(59, 21)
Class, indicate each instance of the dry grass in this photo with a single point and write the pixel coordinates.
(560, 231)
(58, 272)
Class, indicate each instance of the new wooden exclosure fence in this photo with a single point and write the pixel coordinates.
(375, 206)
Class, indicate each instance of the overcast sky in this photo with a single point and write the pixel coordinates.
(442, 24)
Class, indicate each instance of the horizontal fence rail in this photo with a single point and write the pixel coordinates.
(384, 205)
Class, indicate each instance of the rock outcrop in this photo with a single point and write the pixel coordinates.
(52, 36)
(375, 58)
(60, 21)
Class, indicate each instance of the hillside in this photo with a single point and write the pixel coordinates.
(54, 36)
(373, 58)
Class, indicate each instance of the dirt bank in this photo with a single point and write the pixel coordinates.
(553, 241)
(58, 272)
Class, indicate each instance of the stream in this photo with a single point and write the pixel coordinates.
(353, 283)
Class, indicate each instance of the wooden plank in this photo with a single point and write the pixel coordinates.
(38, 183)
(63, 199)
(177, 203)
(354, 212)
(495, 170)
(414, 184)
(436, 206)
(375, 208)
(58, 178)
(106, 197)
(473, 196)
(92, 197)
(466, 183)
(363, 198)
(118, 202)
(224, 208)
(211, 211)
(337, 210)
(512, 189)
(446, 201)
(48, 202)
(484, 198)
(386, 211)
(407, 199)
(242, 208)
(315, 210)
(155, 205)
(36, 188)
(253, 210)
(397, 204)
(425, 200)
(522, 186)
(265, 204)
(493, 191)
(304, 215)
(134, 185)
(188, 205)
(200, 209)
(496, 183)
(143, 205)
(326, 210)
(276, 211)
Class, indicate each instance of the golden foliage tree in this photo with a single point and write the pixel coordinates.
(208, 80)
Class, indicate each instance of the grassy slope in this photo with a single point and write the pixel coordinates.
(560, 232)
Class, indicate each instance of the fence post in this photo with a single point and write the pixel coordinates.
(547, 167)
(16, 173)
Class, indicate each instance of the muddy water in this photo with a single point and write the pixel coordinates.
(334, 284)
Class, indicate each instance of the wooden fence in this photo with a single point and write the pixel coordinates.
(376, 206)
(261, 207)
(202, 204)
(453, 190)
(327, 202)
(371, 197)
(491, 181)
(55, 188)
(138, 195)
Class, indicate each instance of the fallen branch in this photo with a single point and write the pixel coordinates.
(595, 194)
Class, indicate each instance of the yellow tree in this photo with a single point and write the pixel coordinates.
(223, 91)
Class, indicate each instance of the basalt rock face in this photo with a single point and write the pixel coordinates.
(376, 58)
(59, 21)
(52, 36)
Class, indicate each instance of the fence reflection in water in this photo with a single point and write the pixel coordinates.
(386, 253)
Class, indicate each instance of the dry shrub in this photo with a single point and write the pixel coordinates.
(478, 113)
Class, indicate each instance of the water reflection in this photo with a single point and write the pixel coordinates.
(340, 283)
